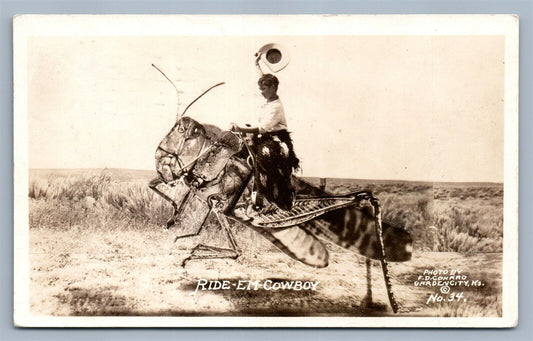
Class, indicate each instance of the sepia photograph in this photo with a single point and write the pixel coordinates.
(266, 171)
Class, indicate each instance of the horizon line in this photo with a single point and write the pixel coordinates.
(304, 176)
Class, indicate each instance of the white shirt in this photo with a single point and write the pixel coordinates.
(272, 117)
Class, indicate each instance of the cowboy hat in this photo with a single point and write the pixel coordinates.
(274, 56)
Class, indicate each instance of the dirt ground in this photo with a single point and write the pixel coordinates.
(127, 272)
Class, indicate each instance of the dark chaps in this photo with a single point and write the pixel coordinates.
(275, 161)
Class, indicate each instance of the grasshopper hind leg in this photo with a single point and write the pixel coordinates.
(202, 251)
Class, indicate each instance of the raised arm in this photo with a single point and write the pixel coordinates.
(257, 59)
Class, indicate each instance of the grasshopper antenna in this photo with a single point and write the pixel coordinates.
(175, 88)
(197, 98)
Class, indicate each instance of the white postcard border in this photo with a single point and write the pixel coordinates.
(31, 25)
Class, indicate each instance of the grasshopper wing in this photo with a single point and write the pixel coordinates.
(296, 242)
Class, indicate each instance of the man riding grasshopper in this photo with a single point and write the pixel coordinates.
(203, 169)
(272, 148)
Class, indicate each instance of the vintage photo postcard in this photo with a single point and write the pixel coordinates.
(272, 171)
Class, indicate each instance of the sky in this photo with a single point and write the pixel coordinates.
(392, 107)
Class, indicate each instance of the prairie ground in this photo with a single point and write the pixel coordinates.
(97, 247)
